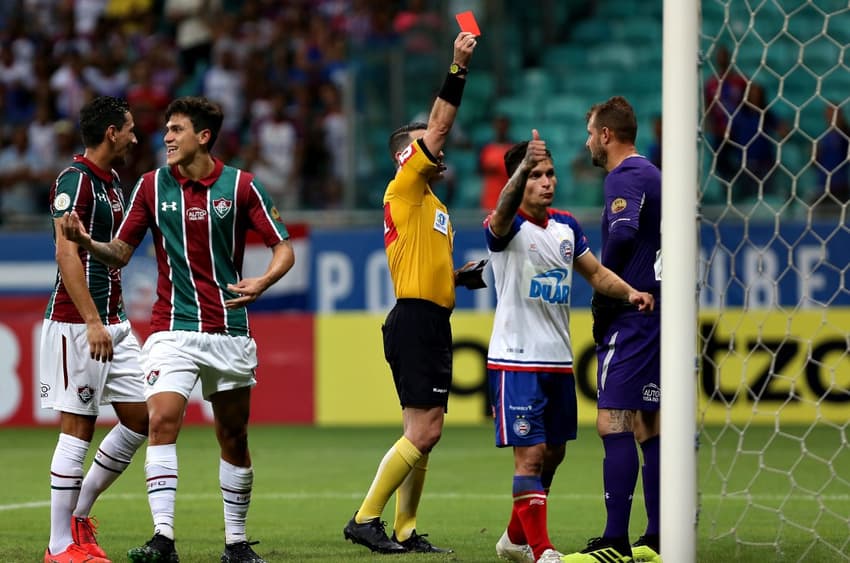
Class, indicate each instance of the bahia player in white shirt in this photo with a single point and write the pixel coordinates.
(533, 250)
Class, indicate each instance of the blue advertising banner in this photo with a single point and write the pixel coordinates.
(755, 266)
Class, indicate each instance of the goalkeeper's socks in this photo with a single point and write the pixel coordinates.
(393, 469)
(66, 475)
(161, 475)
(652, 483)
(112, 458)
(619, 476)
(530, 506)
(236, 485)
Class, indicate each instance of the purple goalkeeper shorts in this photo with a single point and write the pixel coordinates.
(628, 375)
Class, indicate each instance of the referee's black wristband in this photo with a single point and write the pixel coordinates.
(452, 89)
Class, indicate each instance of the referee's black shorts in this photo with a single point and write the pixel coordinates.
(418, 347)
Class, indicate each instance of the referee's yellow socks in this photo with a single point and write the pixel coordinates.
(392, 471)
(407, 499)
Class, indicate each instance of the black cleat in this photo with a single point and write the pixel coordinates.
(418, 544)
(372, 534)
(241, 552)
(159, 549)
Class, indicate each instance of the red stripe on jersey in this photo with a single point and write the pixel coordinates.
(529, 368)
(390, 231)
(199, 255)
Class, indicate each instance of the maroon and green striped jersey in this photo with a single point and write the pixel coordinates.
(199, 230)
(95, 194)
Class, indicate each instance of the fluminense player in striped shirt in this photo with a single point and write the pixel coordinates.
(534, 250)
(199, 211)
(88, 354)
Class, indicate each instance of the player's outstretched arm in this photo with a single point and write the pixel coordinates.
(115, 253)
(606, 282)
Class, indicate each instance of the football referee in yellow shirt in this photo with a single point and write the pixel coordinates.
(417, 334)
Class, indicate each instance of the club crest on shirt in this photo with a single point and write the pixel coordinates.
(222, 207)
(62, 202)
(566, 249)
(276, 215)
(618, 205)
(85, 394)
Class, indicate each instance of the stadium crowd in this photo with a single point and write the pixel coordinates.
(276, 67)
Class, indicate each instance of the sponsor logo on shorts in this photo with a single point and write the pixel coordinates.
(438, 390)
(45, 389)
(152, 376)
(651, 393)
(522, 427)
(85, 394)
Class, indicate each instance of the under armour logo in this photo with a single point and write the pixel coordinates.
(169, 205)
(102, 196)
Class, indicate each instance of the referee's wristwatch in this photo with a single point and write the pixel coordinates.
(457, 70)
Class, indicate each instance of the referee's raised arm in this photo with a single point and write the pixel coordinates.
(448, 99)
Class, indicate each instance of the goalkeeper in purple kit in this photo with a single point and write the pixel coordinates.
(627, 341)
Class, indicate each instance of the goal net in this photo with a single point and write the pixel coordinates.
(774, 300)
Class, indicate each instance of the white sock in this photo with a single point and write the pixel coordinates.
(66, 476)
(236, 483)
(161, 475)
(112, 458)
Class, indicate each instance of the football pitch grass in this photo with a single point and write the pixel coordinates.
(309, 481)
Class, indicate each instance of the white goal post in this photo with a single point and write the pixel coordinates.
(678, 280)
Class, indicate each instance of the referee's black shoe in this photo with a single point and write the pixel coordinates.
(371, 533)
(418, 544)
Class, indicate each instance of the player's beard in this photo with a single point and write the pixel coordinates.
(599, 157)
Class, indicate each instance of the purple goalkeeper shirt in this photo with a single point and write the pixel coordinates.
(631, 224)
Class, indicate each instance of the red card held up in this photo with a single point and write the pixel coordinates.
(466, 21)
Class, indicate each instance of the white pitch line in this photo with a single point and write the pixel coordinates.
(332, 495)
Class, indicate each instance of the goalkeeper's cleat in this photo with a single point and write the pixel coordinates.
(509, 551)
(371, 533)
(550, 556)
(84, 532)
(158, 549)
(418, 544)
(240, 552)
(74, 554)
(647, 549)
(602, 550)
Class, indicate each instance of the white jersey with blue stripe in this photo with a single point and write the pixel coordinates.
(533, 270)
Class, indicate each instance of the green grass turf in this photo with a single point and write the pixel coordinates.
(309, 481)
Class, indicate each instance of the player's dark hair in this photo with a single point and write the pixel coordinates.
(618, 116)
(203, 113)
(515, 155)
(98, 114)
(400, 138)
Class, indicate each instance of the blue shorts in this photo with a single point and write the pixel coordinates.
(531, 408)
(628, 375)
